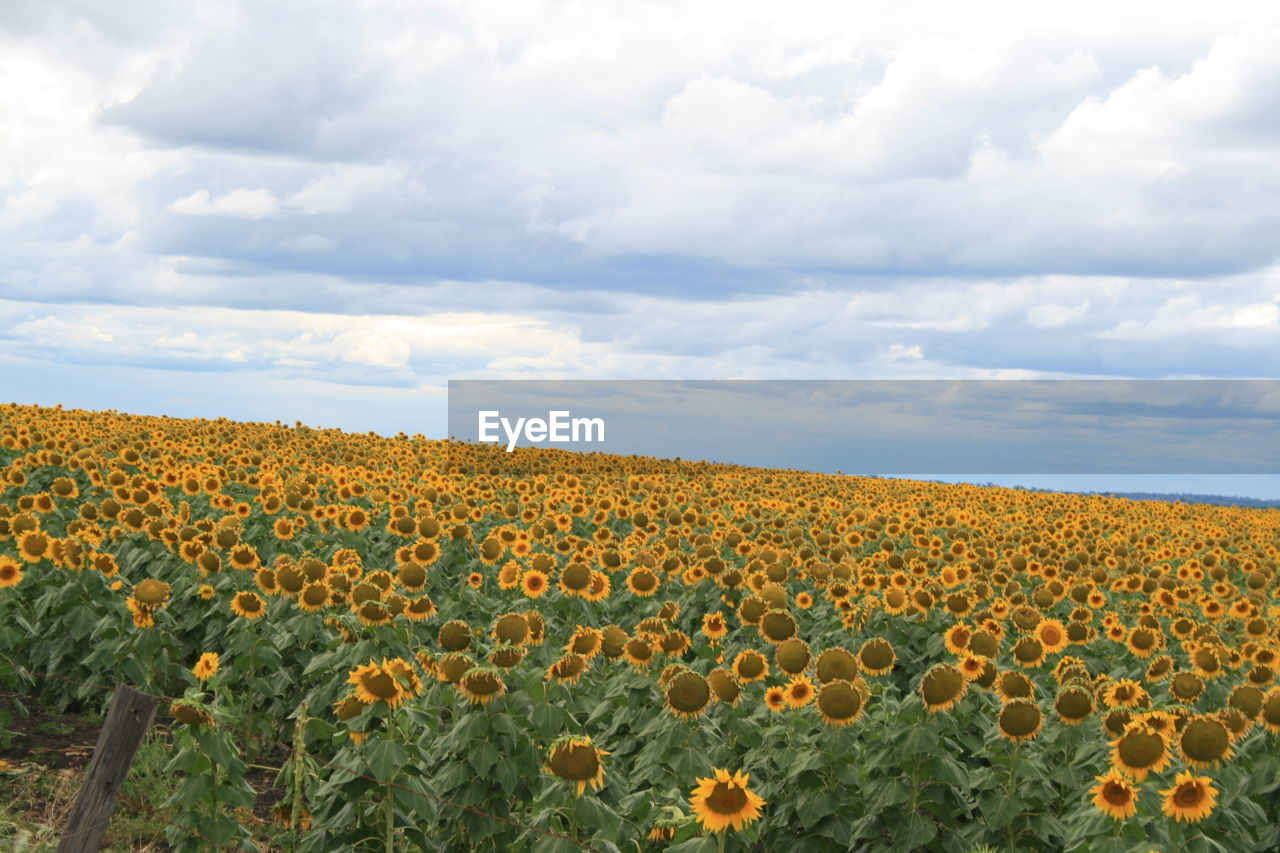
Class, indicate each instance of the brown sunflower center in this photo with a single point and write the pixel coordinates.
(1189, 795)
(727, 799)
(1116, 794)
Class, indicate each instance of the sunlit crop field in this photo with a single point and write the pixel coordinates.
(540, 650)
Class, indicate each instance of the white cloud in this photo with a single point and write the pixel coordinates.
(241, 203)
(1053, 315)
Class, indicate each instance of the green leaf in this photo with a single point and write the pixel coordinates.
(483, 757)
(384, 758)
(920, 830)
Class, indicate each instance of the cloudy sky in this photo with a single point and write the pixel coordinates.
(265, 210)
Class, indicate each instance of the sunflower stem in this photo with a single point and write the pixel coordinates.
(722, 838)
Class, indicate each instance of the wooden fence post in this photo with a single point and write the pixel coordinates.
(127, 721)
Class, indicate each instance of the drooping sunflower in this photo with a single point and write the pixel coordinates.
(1269, 715)
(1139, 751)
(1115, 795)
(777, 625)
(1191, 798)
(638, 651)
(792, 656)
(481, 684)
(586, 641)
(568, 669)
(840, 702)
(1204, 742)
(1011, 685)
(876, 657)
(688, 695)
(1073, 705)
(724, 801)
(575, 759)
(749, 665)
(725, 686)
(942, 687)
(373, 682)
(1019, 720)
(206, 667)
(248, 605)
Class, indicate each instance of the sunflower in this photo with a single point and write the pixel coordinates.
(151, 594)
(775, 698)
(1029, 652)
(750, 665)
(713, 626)
(206, 667)
(643, 582)
(206, 591)
(32, 546)
(957, 638)
(190, 713)
(1186, 687)
(1052, 635)
(586, 641)
(777, 625)
(876, 657)
(1191, 798)
(10, 572)
(840, 702)
(374, 682)
(575, 759)
(248, 605)
(1270, 711)
(973, 666)
(1019, 720)
(799, 691)
(941, 687)
(568, 669)
(1073, 705)
(534, 583)
(454, 636)
(792, 656)
(725, 686)
(724, 801)
(1115, 795)
(638, 652)
(1139, 751)
(1204, 742)
(688, 695)
(1125, 693)
(481, 684)
(1011, 685)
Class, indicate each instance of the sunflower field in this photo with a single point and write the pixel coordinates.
(443, 646)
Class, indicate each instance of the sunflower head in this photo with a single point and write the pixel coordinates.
(941, 687)
(725, 801)
(575, 759)
(1191, 798)
(1115, 795)
(1019, 720)
(688, 695)
(840, 702)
